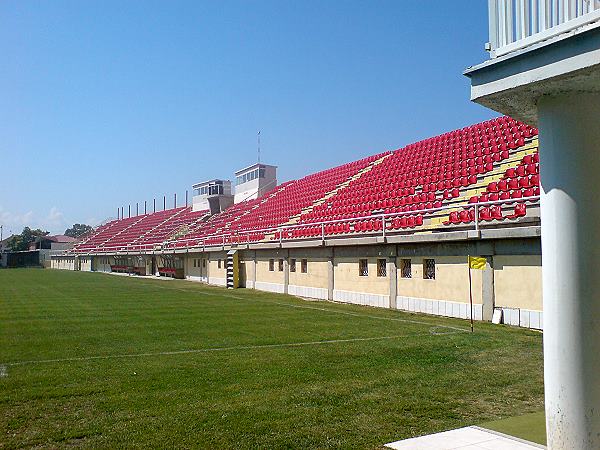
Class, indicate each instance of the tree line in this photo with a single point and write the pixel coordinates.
(21, 242)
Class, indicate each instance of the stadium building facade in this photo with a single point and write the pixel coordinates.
(393, 230)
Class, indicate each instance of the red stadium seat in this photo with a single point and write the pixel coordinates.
(484, 214)
(516, 194)
(493, 187)
(496, 212)
(433, 173)
(520, 211)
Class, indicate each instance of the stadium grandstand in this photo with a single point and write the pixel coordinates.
(392, 230)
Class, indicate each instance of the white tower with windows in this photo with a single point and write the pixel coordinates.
(214, 195)
(254, 181)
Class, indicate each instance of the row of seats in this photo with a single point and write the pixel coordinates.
(486, 214)
(107, 233)
(147, 223)
(347, 227)
(426, 175)
(439, 175)
(302, 194)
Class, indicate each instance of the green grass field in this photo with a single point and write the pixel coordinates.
(94, 360)
(531, 427)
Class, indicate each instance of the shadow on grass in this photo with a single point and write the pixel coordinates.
(531, 427)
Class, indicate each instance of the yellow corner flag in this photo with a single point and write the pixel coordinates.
(477, 262)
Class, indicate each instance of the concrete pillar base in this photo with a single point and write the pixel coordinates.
(570, 177)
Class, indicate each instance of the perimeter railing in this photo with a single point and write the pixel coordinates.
(516, 24)
(381, 225)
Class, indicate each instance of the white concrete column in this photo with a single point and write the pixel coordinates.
(569, 127)
(330, 275)
(392, 270)
(487, 289)
(286, 272)
(208, 267)
(254, 270)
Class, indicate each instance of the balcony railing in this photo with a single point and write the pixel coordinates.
(516, 24)
(285, 233)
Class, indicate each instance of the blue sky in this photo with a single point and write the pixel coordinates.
(106, 103)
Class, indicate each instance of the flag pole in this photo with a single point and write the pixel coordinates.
(258, 138)
(470, 290)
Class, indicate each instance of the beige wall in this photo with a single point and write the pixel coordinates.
(451, 280)
(317, 272)
(85, 264)
(347, 278)
(200, 270)
(102, 263)
(247, 267)
(518, 281)
(63, 263)
(263, 274)
(213, 263)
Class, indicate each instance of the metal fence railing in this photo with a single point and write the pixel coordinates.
(378, 225)
(515, 24)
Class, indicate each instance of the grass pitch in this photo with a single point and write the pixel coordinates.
(93, 360)
(531, 427)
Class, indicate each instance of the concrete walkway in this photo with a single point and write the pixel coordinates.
(469, 438)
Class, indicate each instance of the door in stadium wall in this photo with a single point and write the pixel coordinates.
(242, 274)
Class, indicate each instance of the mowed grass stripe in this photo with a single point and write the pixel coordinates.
(358, 394)
(154, 324)
(206, 350)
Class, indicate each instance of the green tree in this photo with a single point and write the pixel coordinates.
(78, 230)
(21, 241)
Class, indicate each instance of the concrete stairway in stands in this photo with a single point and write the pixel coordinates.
(513, 160)
(294, 219)
(107, 241)
(187, 228)
(141, 237)
(266, 199)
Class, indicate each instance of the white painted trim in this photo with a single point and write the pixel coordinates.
(197, 278)
(217, 281)
(526, 318)
(460, 310)
(269, 287)
(361, 298)
(307, 291)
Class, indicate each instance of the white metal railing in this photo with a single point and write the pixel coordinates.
(515, 24)
(285, 232)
